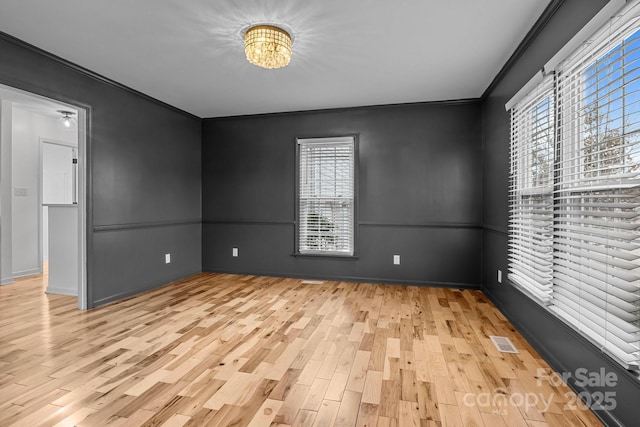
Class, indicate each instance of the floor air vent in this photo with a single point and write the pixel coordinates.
(312, 282)
(504, 344)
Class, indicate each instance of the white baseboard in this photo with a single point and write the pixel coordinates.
(24, 273)
(62, 291)
(6, 281)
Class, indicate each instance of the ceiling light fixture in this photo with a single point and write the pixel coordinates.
(267, 46)
(66, 118)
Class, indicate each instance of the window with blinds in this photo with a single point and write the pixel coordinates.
(326, 202)
(574, 237)
(596, 238)
(531, 192)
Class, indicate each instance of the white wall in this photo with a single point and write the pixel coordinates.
(6, 266)
(63, 264)
(28, 127)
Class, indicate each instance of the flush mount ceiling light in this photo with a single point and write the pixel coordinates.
(66, 118)
(267, 46)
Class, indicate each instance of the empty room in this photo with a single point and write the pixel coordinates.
(287, 213)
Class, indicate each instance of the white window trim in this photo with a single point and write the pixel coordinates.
(351, 252)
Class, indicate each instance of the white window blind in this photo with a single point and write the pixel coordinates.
(326, 195)
(596, 274)
(531, 192)
(574, 232)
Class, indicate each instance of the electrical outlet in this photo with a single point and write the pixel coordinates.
(396, 260)
(499, 276)
(167, 258)
(234, 252)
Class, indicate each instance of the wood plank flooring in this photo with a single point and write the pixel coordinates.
(228, 350)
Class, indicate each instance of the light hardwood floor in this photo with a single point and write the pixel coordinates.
(227, 350)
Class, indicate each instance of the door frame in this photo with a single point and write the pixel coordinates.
(83, 122)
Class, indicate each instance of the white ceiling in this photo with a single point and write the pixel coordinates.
(189, 53)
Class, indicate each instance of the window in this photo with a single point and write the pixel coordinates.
(574, 232)
(325, 196)
(531, 192)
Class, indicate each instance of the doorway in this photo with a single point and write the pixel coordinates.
(43, 182)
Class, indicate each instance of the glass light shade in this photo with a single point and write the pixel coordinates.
(267, 46)
(66, 120)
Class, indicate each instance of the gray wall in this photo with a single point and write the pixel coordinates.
(419, 193)
(564, 349)
(144, 160)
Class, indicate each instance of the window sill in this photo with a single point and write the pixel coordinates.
(327, 255)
